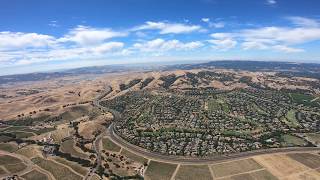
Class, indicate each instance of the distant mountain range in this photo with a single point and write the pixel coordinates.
(284, 68)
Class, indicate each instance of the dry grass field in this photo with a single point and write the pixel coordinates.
(58, 171)
(2, 171)
(14, 168)
(235, 167)
(30, 151)
(308, 175)
(134, 157)
(10, 147)
(159, 170)
(76, 167)
(280, 165)
(310, 160)
(68, 146)
(35, 175)
(107, 144)
(189, 172)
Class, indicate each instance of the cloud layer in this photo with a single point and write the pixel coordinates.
(156, 37)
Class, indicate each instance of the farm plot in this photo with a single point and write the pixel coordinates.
(35, 175)
(188, 172)
(257, 175)
(29, 151)
(12, 164)
(235, 167)
(280, 165)
(58, 171)
(310, 160)
(10, 147)
(76, 167)
(159, 170)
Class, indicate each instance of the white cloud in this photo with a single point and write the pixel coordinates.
(219, 24)
(160, 45)
(205, 20)
(53, 24)
(283, 34)
(253, 45)
(287, 49)
(108, 47)
(221, 35)
(271, 2)
(88, 36)
(168, 28)
(223, 44)
(19, 40)
(304, 22)
(275, 38)
(223, 41)
(63, 54)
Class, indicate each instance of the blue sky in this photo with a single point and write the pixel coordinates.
(41, 35)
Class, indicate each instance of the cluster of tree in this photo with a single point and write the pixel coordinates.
(168, 80)
(130, 84)
(146, 82)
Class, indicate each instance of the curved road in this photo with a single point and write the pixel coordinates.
(184, 160)
(207, 160)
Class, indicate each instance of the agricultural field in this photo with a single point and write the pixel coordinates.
(310, 160)
(188, 172)
(159, 170)
(235, 167)
(29, 151)
(280, 165)
(14, 168)
(35, 175)
(73, 165)
(10, 147)
(12, 164)
(58, 171)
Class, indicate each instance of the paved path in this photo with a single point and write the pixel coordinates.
(96, 143)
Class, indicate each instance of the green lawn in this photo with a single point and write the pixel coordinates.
(291, 117)
(218, 105)
(306, 100)
(290, 140)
